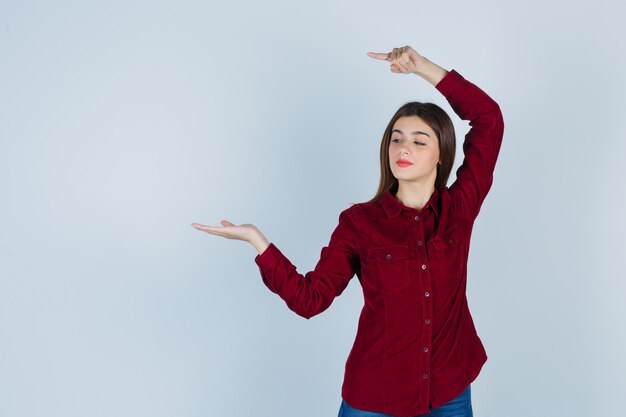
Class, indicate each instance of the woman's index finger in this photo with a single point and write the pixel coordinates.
(378, 55)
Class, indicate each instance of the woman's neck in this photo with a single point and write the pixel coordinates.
(415, 195)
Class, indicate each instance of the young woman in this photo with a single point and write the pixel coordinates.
(416, 350)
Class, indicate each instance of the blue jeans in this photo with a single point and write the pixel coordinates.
(460, 406)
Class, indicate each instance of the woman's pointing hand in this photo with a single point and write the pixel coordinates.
(403, 60)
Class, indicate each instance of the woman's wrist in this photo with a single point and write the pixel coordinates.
(260, 243)
(431, 72)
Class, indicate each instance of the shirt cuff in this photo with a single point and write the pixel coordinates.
(450, 82)
(269, 256)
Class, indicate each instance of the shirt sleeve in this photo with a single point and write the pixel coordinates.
(313, 293)
(482, 143)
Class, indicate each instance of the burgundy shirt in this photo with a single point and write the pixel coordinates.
(416, 346)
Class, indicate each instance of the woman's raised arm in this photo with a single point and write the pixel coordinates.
(482, 143)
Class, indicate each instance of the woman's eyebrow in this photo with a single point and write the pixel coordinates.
(417, 132)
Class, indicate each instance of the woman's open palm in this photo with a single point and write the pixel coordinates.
(245, 232)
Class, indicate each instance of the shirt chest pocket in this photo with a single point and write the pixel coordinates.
(389, 266)
(447, 248)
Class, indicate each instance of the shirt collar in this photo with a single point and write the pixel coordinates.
(393, 207)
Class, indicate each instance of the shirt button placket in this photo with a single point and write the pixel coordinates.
(427, 309)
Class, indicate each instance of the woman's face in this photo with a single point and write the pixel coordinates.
(414, 141)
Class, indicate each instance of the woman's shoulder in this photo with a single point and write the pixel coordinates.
(361, 210)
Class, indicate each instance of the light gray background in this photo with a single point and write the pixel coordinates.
(121, 123)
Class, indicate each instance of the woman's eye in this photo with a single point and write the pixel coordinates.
(397, 140)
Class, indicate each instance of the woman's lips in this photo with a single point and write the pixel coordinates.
(403, 163)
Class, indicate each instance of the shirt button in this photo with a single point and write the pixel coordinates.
(425, 349)
(419, 243)
(427, 321)
(425, 375)
(427, 294)
(423, 266)
(388, 256)
(417, 218)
